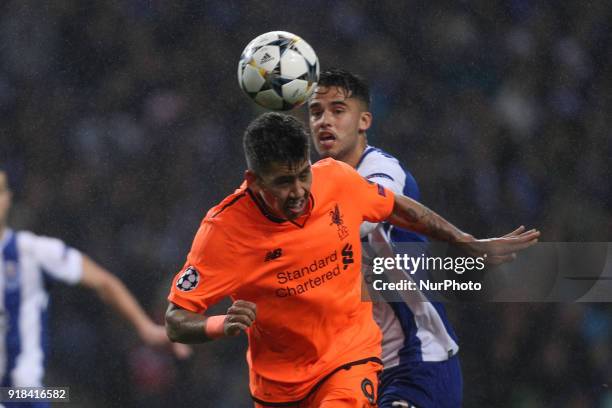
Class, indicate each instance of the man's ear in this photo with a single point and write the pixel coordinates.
(250, 178)
(365, 121)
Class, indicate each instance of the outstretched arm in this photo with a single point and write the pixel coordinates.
(412, 215)
(113, 292)
(185, 326)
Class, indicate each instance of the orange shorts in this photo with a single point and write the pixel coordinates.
(355, 387)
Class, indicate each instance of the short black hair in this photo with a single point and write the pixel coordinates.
(275, 138)
(354, 85)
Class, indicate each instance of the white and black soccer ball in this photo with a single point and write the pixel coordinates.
(188, 280)
(278, 70)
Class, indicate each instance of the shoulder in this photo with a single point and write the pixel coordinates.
(331, 179)
(333, 175)
(327, 164)
(30, 238)
(229, 208)
(330, 167)
(376, 160)
(26, 240)
(42, 249)
(378, 165)
(32, 243)
(226, 221)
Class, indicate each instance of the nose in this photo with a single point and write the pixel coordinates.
(297, 189)
(324, 120)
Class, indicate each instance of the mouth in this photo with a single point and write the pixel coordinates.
(296, 207)
(326, 139)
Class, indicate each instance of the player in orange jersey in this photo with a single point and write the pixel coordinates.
(286, 248)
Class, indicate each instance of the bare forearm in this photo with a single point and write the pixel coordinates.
(114, 293)
(184, 326)
(412, 215)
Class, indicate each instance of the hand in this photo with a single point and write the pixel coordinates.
(240, 316)
(503, 249)
(155, 336)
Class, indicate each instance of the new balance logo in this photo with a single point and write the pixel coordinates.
(265, 58)
(347, 255)
(273, 254)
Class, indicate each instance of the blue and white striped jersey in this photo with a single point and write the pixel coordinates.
(416, 329)
(26, 262)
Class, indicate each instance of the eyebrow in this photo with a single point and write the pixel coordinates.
(291, 176)
(281, 179)
(337, 102)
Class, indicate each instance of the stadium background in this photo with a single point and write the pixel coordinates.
(121, 121)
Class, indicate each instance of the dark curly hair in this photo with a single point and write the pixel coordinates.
(275, 138)
(354, 85)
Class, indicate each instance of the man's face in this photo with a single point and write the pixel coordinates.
(336, 123)
(5, 198)
(285, 189)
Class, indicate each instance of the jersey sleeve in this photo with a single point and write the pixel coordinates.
(388, 172)
(374, 201)
(389, 177)
(56, 259)
(210, 272)
(411, 189)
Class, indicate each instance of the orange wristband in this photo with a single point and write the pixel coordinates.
(214, 326)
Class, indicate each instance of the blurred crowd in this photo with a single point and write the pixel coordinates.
(121, 124)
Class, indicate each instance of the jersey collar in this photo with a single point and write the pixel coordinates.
(299, 222)
(368, 149)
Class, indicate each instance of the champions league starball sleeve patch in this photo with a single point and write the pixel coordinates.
(189, 280)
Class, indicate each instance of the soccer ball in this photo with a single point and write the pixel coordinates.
(278, 70)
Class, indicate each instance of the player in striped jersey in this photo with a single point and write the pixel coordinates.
(421, 367)
(27, 262)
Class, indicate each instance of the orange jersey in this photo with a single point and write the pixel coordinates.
(304, 276)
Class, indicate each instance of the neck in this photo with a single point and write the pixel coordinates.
(353, 157)
(261, 203)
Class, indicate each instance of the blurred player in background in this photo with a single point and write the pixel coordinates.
(286, 248)
(27, 262)
(419, 348)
